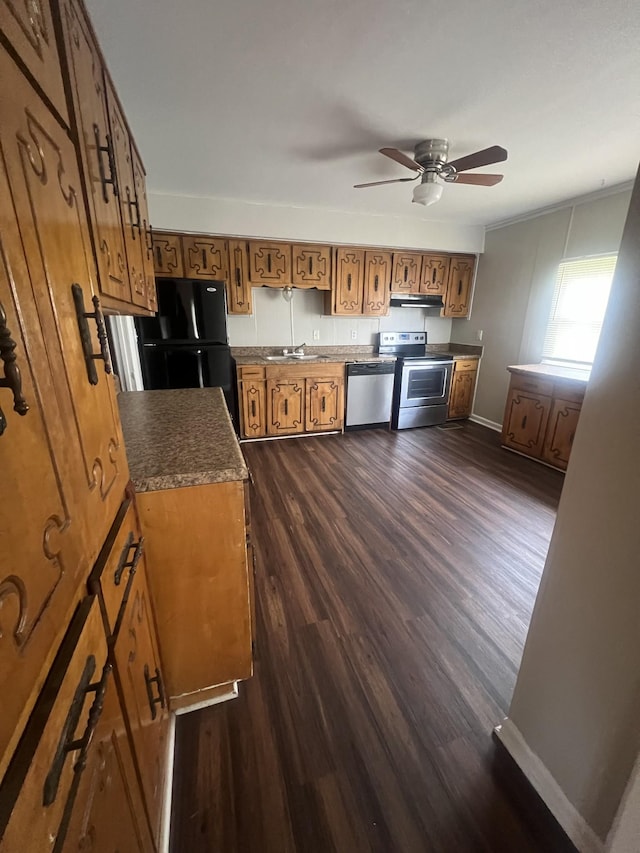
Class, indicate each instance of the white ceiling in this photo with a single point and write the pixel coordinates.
(287, 101)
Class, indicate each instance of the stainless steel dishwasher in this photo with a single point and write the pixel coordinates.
(369, 394)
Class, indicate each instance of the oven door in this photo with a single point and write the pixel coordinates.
(424, 383)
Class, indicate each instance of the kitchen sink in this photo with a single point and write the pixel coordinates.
(276, 357)
(293, 355)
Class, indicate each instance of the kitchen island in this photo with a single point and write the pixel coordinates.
(190, 480)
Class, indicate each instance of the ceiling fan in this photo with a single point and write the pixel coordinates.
(430, 162)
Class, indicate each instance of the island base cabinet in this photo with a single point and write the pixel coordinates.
(561, 430)
(525, 422)
(197, 552)
(463, 386)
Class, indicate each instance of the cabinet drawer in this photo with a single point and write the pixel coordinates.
(460, 364)
(39, 783)
(116, 566)
(531, 384)
(250, 371)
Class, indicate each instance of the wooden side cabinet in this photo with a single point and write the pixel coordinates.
(238, 285)
(377, 279)
(253, 408)
(463, 386)
(348, 289)
(167, 255)
(457, 300)
(541, 416)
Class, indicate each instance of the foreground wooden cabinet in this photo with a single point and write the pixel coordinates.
(196, 541)
(541, 416)
(463, 386)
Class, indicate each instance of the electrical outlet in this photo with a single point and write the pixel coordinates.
(354, 334)
(479, 334)
(316, 334)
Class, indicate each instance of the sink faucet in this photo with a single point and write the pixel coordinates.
(299, 350)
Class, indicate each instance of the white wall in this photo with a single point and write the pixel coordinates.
(275, 322)
(514, 286)
(229, 216)
(577, 698)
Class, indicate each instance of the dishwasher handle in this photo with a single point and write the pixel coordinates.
(370, 368)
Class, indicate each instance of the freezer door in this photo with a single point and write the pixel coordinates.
(188, 311)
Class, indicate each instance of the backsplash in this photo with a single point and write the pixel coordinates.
(275, 322)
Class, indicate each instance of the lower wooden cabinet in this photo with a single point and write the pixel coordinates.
(71, 784)
(541, 416)
(290, 399)
(463, 386)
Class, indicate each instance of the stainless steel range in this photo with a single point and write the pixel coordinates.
(422, 380)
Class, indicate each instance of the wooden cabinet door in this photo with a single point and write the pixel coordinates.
(435, 274)
(561, 430)
(144, 230)
(463, 385)
(311, 266)
(134, 243)
(238, 286)
(41, 552)
(377, 278)
(458, 296)
(27, 26)
(525, 424)
(141, 686)
(205, 257)
(45, 188)
(269, 263)
(325, 404)
(407, 267)
(96, 151)
(167, 255)
(285, 406)
(348, 285)
(252, 401)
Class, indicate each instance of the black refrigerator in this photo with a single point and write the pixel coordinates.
(185, 345)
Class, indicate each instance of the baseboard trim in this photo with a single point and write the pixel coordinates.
(206, 698)
(165, 831)
(575, 826)
(486, 422)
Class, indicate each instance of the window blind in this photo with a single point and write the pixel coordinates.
(579, 303)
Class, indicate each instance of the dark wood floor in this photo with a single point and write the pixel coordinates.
(396, 574)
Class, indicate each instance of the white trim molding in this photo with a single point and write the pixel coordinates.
(624, 836)
(231, 693)
(165, 829)
(486, 422)
(569, 818)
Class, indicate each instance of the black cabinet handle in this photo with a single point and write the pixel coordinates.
(253, 408)
(323, 405)
(204, 259)
(124, 562)
(149, 241)
(113, 177)
(571, 439)
(376, 283)
(159, 263)
(433, 276)
(154, 700)
(406, 273)
(12, 378)
(133, 205)
(66, 744)
(238, 282)
(459, 286)
(349, 282)
(269, 262)
(286, 406)
(310, 265)
(85, 334)
(524, 422)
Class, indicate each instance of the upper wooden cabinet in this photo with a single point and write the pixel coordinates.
(238, 286)
(269, 263)
(167, 255)
(205, 257)
(407, 267)
(457, 300)
(348, 286)
(435, 274)
(28, 27)
(377, 278)
(311, 266)
(62, 505)
(114, 179)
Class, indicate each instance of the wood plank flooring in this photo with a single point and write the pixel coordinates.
(395, 578)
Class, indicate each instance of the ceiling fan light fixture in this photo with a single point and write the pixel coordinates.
(429, 191)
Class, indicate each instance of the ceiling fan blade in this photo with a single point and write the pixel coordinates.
(477, 178)
(486, 157)
(401, 158)
(378, 183)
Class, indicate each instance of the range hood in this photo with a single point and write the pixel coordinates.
(415, 300)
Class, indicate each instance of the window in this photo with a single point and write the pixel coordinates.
(579, 302)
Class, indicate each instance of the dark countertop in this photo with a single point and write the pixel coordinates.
(341, 355)
(552, 371)
(178, 438)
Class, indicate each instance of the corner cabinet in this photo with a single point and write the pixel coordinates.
(457, 298)
(541, 417)
(463, 386)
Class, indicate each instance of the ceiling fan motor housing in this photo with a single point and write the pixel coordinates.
(432, 153)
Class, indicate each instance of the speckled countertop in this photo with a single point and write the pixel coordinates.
(179, 438)
(552, 371)
(342, 355)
